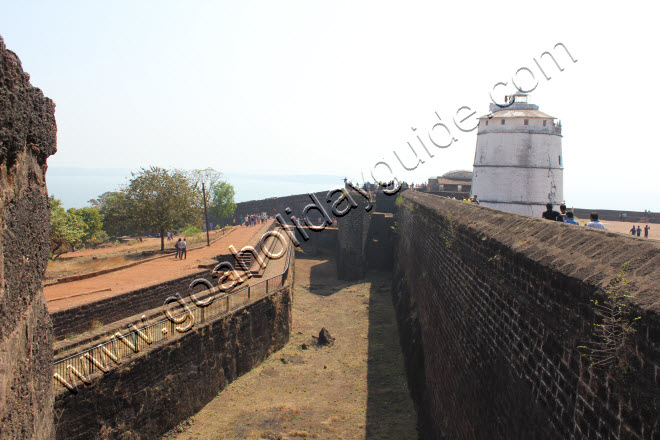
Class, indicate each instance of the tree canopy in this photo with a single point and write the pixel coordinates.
(115, 208)
(222, 203)
(156, 200)
(67, 229)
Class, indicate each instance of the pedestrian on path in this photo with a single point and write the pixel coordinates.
(182, 249)
(646, 231)
(177, 246)
(639, 231)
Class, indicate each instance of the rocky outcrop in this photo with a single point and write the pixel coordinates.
(27, 138)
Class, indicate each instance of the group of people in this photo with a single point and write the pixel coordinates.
(568, 217)
(418, 186)
(253, 219)
(181, 249)
(638, 231)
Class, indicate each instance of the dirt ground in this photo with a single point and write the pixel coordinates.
(66, 295)
(354, 389)
(114, 255)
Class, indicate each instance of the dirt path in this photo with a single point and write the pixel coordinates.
(146, 274)
(355, 389)
(114, 255)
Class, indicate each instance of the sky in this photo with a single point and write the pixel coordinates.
(285, 97)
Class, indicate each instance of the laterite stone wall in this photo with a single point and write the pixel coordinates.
(28, 137)
(156, 390)
(492, 307)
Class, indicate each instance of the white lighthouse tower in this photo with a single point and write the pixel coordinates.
(518, 161)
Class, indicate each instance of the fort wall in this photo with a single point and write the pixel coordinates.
(158, 389)
(80, 319)
(492, 308)
(275, 205)
(27, 138)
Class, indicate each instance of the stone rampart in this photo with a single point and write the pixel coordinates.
(77, 320)
(27, 139)
(275, 205)
(353, 231)
(156, 390)
(492, 308)
(614, 215)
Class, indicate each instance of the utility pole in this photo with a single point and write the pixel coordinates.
(206, 216)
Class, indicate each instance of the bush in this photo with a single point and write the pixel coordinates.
(191, 230)
(98, 238)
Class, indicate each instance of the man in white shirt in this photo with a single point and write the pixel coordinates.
(594, 223)
(182, 250)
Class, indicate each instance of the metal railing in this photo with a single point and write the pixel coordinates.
(102, 357)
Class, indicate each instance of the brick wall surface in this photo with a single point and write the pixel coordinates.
(352, 239)
(492, 307)
(156, 390)
(274, 205)
(80, 319)
(612, 215)
(380, 242)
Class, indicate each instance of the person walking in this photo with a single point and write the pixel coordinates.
(177, 246)
(639, 231)
(182, 249)
(646, 231)
(633, 230)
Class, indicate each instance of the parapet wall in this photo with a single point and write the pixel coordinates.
(492, 307)
(27, 138)
(612, 215)
(156, 390)
(275, 205)
(353, 232)
(80, 319)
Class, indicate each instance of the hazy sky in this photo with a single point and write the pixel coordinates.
(307, 87)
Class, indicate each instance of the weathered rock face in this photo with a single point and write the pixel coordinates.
(27, 138)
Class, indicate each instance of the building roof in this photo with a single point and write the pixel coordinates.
(513, 113)
(458, 175)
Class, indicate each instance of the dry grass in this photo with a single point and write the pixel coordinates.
(354, 389)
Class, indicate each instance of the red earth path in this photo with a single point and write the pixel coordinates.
(67, 295)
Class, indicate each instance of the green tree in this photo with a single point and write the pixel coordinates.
(116, 209)
(101, 200)
(159, 200)
(66, 228)
(93, 221)
(222, 204)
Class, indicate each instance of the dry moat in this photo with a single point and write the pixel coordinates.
(354, 389)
